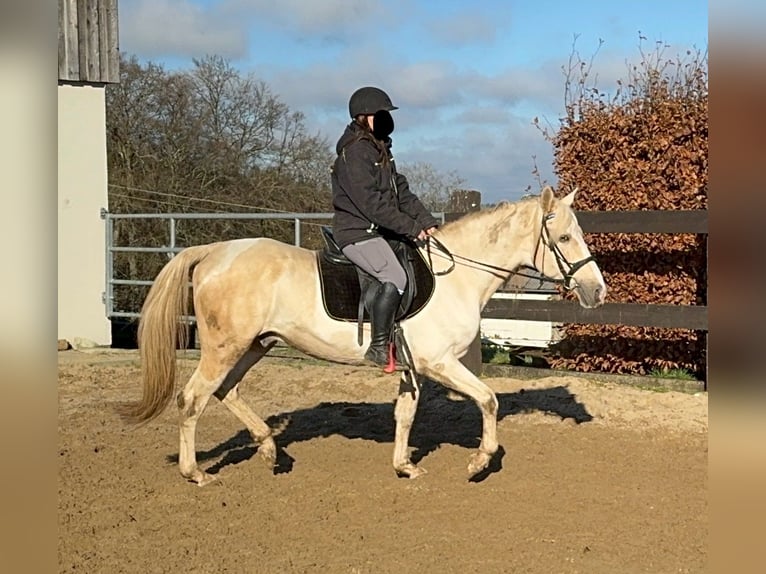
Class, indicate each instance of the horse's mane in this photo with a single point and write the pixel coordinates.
(505, 205)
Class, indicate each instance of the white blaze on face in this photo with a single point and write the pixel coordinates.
(588, 276)
(578, 238)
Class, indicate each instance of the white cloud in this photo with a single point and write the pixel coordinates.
(467, 27)
(495, 160)
(482, 114)
(423, 86)
(183, 28)
(427, 84)
(326, 18)
(326, 87)
(161, 28)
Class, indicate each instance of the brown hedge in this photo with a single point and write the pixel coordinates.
(646, 148)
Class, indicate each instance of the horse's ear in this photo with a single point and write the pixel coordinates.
(547, 198)
(569, 198)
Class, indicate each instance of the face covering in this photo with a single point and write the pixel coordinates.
(384, 124)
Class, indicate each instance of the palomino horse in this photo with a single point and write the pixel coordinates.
(249, 294)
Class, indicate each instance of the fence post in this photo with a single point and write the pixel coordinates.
(109, 271)
(461, 202)
(172, 232)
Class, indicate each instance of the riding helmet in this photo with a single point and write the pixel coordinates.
(368, 100)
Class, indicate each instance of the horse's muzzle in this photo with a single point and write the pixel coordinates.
(591, 296)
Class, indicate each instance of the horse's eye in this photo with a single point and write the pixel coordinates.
(563, 238)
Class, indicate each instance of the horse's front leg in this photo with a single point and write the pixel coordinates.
(404, 413)
(454, 375)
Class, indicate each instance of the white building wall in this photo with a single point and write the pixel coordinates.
(82, 193)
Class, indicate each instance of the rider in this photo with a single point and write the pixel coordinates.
(370, 199)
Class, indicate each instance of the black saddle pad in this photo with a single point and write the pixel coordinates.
(341, 290)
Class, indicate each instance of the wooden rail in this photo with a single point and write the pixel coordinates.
(634, 314)
(691, 221)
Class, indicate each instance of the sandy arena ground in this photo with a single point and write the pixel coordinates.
(591, 478)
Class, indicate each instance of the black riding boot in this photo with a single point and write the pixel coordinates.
(382, 315)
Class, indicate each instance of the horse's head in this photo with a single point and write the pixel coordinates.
(561, 252)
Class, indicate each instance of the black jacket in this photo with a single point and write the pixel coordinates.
(368, 193)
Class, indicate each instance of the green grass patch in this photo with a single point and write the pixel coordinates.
(493, 354)
(679, 374)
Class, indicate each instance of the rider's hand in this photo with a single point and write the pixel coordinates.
(424, 233)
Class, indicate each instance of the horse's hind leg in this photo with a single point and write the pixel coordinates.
(228, 394)
(454, 375)
(214, 372)
(192, 401)
(404, 413)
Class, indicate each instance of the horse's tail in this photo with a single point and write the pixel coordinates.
(160, 332)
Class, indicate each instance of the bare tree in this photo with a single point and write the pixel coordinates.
(205, 139)
(433, 188)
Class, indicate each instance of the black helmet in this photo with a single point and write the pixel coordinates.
(368, 100)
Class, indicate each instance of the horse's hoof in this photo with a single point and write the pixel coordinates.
(201, 478)
(417, 471)
(268, 453)
(410, 471)
(207, 479)
(478, 462)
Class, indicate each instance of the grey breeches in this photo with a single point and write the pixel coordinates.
(376, 257)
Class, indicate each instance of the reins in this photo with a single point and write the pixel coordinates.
(545, 238)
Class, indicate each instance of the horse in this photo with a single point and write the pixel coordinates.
(249, 294)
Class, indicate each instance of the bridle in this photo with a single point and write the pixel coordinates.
(561, 260)
(567, 268)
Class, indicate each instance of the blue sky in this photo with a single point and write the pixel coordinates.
(468, 76)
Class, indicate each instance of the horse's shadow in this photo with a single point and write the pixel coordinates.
(439, 420)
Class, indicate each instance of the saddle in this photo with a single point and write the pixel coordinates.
(346, 289)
